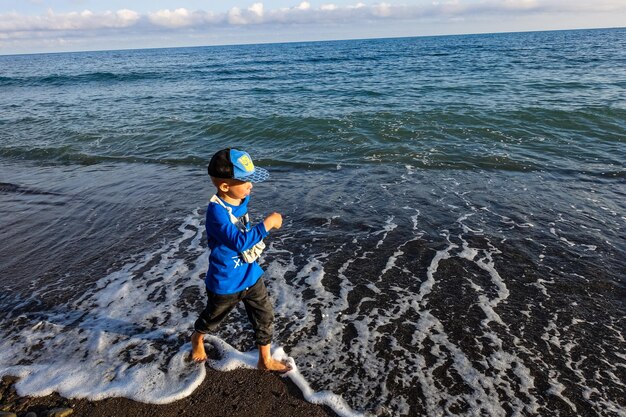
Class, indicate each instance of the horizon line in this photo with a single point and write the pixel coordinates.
(310, 41)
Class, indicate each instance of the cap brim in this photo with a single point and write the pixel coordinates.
(259, 175)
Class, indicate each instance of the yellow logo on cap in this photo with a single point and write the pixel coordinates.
(247, 163)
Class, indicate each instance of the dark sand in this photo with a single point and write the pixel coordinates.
(238, 393)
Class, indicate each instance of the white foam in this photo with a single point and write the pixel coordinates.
(428, 284)
(540, 285)
(557, 388)
(391, 262)
(231, 358)
(334, 401)
(376, 340)
(105, 344)
(288, 298)
(388, 227)
(468, 253)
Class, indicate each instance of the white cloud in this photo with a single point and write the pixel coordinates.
(257, 8)
(172, 19)
(181, 17)
(235, 17)
(127, 15)
(14, 25)
(251, 15)
(305, 5)
(382, 10)
(85, 20)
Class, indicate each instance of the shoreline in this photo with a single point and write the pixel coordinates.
(241, 392)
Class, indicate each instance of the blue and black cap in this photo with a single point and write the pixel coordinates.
(235, 164)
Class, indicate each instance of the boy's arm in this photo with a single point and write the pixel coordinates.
(225, 232)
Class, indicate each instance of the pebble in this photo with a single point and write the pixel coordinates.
(60, 412)
(7, 414)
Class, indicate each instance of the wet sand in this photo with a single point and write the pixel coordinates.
(238, 393)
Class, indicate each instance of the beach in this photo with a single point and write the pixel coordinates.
(453, 239)
(237, 393)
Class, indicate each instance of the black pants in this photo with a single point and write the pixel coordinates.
(258, 306)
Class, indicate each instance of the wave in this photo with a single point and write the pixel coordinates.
(585, 141)
(67, 155)
(84, 78)
(141, 361)
(6, 187)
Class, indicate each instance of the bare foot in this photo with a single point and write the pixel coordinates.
(267, 363)
(274, 365)
(197, 347)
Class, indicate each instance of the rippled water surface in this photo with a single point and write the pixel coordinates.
(454, 218)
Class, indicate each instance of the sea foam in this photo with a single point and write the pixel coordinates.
(126, 336)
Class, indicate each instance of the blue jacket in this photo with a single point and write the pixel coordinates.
(227, 272)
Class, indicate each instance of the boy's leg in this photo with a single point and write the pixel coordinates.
(217, 308)
(261, 315)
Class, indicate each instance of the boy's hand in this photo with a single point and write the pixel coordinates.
(273, 221)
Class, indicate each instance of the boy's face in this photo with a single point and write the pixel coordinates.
(235, 189)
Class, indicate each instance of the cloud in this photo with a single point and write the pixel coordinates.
(382, 10)
(15, 25)
(173, 19)
(305, 5)
(251, 15)
(85, 20)
(180, 18)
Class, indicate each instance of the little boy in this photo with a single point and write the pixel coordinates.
(230, 279)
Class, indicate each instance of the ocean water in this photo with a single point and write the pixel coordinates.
(454, 237)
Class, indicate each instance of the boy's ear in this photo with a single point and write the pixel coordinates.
(223, 187)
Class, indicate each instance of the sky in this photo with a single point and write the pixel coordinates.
(33, 26)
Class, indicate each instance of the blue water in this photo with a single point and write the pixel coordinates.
(550, 100)
(454, 236)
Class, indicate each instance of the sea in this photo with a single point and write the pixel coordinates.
(454, 236)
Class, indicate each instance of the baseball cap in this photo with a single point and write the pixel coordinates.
(236, 164)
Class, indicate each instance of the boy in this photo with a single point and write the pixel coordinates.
(230, 278)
